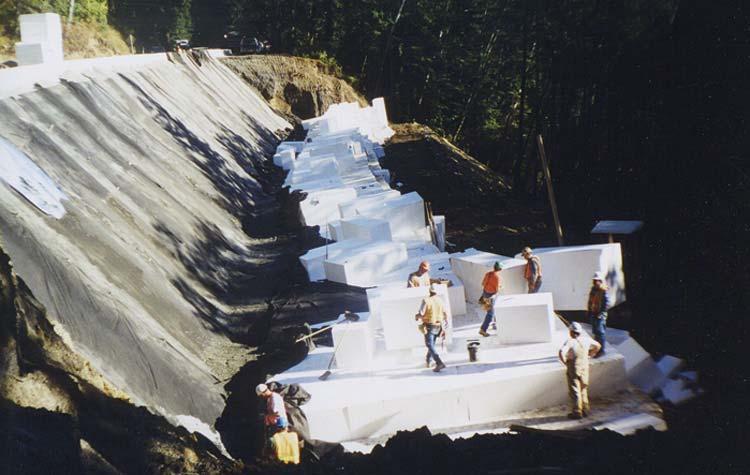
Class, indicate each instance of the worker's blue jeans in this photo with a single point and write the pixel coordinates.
(490, 313)
(599, 329)
(431, 334)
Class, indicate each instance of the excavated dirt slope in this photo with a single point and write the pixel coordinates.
(301, 87)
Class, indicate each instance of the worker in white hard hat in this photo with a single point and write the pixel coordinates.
(533, 270)
(420, 277)
(275, 411)
(433, 316)
(282, 443)
(575, 354)
(597, 310)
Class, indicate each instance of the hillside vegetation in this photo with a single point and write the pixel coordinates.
(88, 35)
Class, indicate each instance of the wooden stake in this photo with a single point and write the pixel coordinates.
(550, 190)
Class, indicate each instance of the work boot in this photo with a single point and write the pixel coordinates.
(439, 366)
(483, 333)
(574, 415)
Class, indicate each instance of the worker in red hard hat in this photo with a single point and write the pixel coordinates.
(420, 277)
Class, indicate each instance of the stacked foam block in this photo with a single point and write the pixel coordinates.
(377, 236)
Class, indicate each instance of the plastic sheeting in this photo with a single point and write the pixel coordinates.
(18, 171)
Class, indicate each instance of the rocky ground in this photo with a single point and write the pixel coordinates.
(298, 87)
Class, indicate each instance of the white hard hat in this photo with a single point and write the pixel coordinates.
(598, 276)
(260, 389)
(433, 289)
(576, 327)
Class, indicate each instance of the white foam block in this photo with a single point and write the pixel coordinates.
(440, 231)
(334, 231)
(471, 265)
(398, 308)
(525, 318)
(356, 405)
(362, 266)
(670, 365)
(369, 229)
(567, 273)
(674, 391)
(632, 351)
(313, 259)
(354, 343)
(349, 208)
(320, 207)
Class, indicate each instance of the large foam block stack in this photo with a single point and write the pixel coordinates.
(362, 266)
(41, 39)
(525, 318)
(567, 273)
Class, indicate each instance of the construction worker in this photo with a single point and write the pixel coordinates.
(275, 418)
(491, 285)
(597, 310)
(420, 277)
(533, 271)
(433, 316)
(575, 354)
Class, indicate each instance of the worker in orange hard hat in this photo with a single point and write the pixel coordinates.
(420, 277)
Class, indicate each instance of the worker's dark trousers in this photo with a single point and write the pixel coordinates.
(534, 287)
(429, 340)
(490, 313)
(599, 329)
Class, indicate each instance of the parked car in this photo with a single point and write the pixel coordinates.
(242, 44)
(181, 44)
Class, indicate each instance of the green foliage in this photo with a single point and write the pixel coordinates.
(88, 11)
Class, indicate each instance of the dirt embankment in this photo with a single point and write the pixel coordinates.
(294, 86)
(60, 415)
(478, 204)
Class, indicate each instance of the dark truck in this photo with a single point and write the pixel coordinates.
(243, 44)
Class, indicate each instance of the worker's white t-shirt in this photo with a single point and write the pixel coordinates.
(567, 348)
(275, 405)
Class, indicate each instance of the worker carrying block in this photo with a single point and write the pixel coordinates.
(575, 354)
(433, 316)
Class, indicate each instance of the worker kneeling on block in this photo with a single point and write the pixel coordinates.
(284, 444)
(575, 354)
(433, 316)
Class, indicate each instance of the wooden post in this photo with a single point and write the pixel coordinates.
(550, 190)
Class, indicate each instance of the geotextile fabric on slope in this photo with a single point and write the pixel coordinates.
(165, 173)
